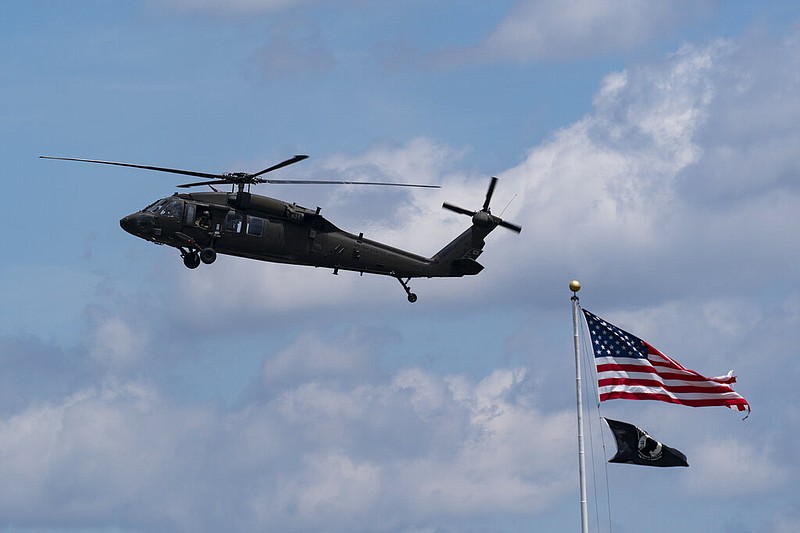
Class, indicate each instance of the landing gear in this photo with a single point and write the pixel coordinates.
(411, 296)
(208, 255)
(191, 260)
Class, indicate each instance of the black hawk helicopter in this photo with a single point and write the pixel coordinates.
(203, 224)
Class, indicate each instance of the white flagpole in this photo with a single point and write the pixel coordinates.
(575, 286)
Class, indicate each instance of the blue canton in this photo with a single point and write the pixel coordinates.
(610, 341)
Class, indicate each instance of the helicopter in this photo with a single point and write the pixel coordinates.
(202, 225)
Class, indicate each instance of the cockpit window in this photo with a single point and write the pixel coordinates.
(155, 207)
(172, 208)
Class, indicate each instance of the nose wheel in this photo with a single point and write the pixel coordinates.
(191, 259)
(208, 255)
(411, 296)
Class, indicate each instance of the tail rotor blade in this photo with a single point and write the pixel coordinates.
(484, 217)
(489, 193)
(509, 225)
(457, 209)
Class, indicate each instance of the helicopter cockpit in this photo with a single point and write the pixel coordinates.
(166, 207)
(144, 223)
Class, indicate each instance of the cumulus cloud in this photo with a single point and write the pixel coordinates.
(542, 30)
(616, 167)
(312, 355)
(116, 343)
(731, 468)
(615, 192)
(319, 455)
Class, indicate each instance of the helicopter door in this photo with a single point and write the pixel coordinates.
(190, 213)
(170, 215)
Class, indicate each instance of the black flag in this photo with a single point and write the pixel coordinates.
(635, 446)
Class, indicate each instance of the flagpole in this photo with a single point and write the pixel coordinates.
(575, 286)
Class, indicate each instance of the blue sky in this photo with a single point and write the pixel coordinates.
(649, 150)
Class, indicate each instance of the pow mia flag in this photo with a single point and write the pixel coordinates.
(635, 446)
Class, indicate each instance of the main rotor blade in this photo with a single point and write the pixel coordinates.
(203, 183)
(457, 209)
(286, 163)
(327, 182)
(228, 179)
(146, 167)
(489, 193)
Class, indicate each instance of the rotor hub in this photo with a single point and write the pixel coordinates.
(483, 219)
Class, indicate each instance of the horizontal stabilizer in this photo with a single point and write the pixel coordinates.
(465, 267)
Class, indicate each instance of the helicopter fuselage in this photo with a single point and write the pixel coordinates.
(201, 225)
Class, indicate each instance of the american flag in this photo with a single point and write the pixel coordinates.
(629, 368)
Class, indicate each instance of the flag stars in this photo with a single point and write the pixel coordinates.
(611, 341)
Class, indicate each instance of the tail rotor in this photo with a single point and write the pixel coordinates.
(484, 217)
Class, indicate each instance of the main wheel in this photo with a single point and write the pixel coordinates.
(208, 255)
(412, 297)
(191, 260)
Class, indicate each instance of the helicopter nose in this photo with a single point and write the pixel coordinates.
(128, 223)
(137, 223)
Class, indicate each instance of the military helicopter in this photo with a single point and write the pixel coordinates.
(239, 223)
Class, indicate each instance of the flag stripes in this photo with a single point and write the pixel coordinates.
(629, 368)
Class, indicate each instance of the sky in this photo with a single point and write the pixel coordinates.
(648, 150)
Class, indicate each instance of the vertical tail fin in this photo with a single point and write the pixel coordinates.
(458, 258)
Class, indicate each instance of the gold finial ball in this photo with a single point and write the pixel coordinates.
(574, 285)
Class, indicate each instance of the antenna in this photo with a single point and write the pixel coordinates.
(508, 204)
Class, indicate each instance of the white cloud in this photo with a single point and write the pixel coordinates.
(312, 355)
(115, 343)
(80, 458)
(537, 30)
(334, 486)
(616, 192)
(409, 450)
(730, 468)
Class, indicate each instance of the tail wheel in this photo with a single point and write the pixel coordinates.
(411, 296)
(208, 255)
